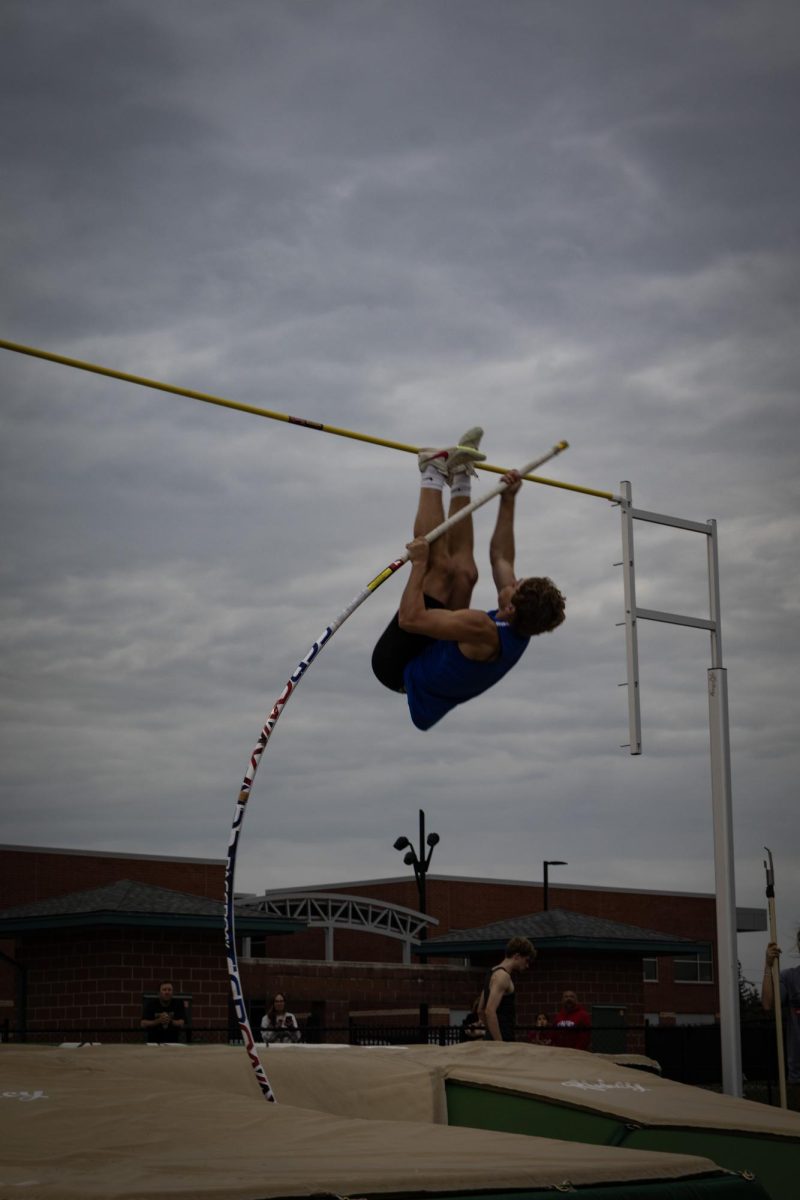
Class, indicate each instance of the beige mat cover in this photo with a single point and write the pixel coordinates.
(578, 1077)
(380, 1083)
(146, 1123)
(408, 1083)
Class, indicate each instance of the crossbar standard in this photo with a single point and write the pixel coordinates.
(720, 755)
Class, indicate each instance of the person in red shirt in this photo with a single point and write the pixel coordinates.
(572, 1024)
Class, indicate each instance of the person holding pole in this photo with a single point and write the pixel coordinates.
(788, 998)
(436, 649)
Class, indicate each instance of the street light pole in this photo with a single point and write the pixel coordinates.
(419, 861)
(420, 871)
(549, 862)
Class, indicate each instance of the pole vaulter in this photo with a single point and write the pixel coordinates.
(266, 732)
(222, 402)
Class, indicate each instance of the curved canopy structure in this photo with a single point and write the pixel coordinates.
(336, 910)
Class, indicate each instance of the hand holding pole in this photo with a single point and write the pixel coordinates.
(776, 979)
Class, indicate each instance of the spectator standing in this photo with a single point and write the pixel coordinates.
(164, 1016)
(572, 1024)
(278, 1025)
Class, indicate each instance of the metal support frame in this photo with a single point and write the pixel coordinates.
(336, 910)
(720, 752)
(631, 634)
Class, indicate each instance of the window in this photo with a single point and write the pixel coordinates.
(254, 947)
(650, 970)
(694, 968)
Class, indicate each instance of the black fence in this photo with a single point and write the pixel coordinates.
(693, 1053)
(405, 1035)
(686, 1053)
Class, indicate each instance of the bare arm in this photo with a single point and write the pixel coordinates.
(502, 550)
(467, 626)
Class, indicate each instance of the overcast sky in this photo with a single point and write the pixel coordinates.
(556, 219)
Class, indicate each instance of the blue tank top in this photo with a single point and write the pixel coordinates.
(441, 677)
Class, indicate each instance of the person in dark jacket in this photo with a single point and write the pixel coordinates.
(164, 1016)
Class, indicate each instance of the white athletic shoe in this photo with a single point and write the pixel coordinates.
(470, 440)
(451, 460)
(472, 437)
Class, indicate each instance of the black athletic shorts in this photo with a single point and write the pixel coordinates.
(395, 648)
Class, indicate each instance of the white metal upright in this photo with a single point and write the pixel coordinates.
(719, 730)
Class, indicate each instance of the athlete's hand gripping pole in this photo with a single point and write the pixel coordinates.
(490, 495)
(462, 513)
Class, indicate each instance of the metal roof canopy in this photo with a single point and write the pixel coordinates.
(719, 730)
(132, 903)
(563, 929)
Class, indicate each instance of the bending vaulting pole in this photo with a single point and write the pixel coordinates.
(776, 980)
(266, 732)
(142, 381)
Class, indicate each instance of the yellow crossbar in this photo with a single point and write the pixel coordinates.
(142, 381)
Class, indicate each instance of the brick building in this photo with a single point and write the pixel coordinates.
(84, 962)
(678, 986)
(67, 960)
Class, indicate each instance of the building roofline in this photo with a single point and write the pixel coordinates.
(214, 862)
(640, 948)
(432, 877)
(341, 885)
(104, 918)
(484, 881)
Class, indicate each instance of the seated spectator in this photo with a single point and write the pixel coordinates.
(540, 1034)
(164, 1016)
(278, 1025)
(472, 1027)
(572, 1024)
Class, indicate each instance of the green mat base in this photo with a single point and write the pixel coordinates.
(774, 1162)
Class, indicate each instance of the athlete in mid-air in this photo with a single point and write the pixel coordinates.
(436, 649)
